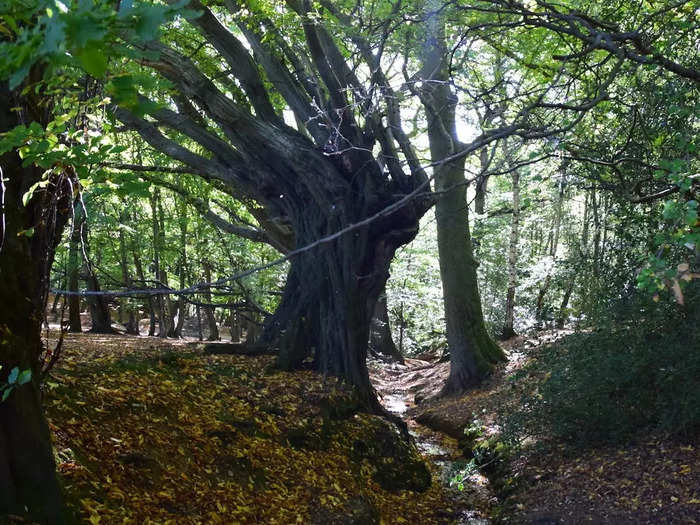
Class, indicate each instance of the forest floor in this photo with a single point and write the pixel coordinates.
(156, 431)
(651, 480)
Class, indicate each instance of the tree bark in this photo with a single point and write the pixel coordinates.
(473, 353)
(381, 342)
(209, 310)
(327, 306)
(28, 484)
(553, 242)
(198, 310)
(483, 179)
(563, 315)
(149, 300)
(74, 323)
(182, 304)
(235, 324)
(170, 307)
(99, 306)
(131, 325)
(157, 271)
(508, 330)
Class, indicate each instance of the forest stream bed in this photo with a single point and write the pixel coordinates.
(397, 385)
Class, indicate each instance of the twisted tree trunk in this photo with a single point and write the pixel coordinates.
(331, 290)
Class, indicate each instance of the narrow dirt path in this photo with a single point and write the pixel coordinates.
(398, 385)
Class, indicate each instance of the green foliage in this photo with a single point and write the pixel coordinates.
(637, 369)
(415, 294)
(461, 472)
(14, 379)
(84, 35)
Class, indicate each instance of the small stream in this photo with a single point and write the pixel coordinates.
(443, 452)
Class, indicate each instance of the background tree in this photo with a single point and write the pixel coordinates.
(472, 351)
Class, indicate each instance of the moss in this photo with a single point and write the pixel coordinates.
(394, 462)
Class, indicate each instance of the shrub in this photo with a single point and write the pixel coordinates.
(638, 369)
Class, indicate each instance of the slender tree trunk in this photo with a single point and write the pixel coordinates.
(481, 182)
(74, 323)
(381, 343)
(508, 330)
(604, 228)
(149, 300)
(28, 484)
(98, 304)
(99, 307)
(553, 243)
(182, 304)
(170, 307)
(472, 351)
(251, 331)
(235, 325)
(200, 336)
(595, 207)
(159, 300)
(209, 310)
(563, 315)
(57, 297)
(132, 325)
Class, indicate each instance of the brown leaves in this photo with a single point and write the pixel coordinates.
(161, 433)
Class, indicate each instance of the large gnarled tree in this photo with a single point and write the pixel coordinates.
(333, 173)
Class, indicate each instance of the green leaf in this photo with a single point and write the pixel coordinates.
(25, 377)
(28, 195)
(18, 76)
(93, 61)
(55, 35)
(691, 213)
(671, 210)
(148, 25)
(12, 378)
(6, 394)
